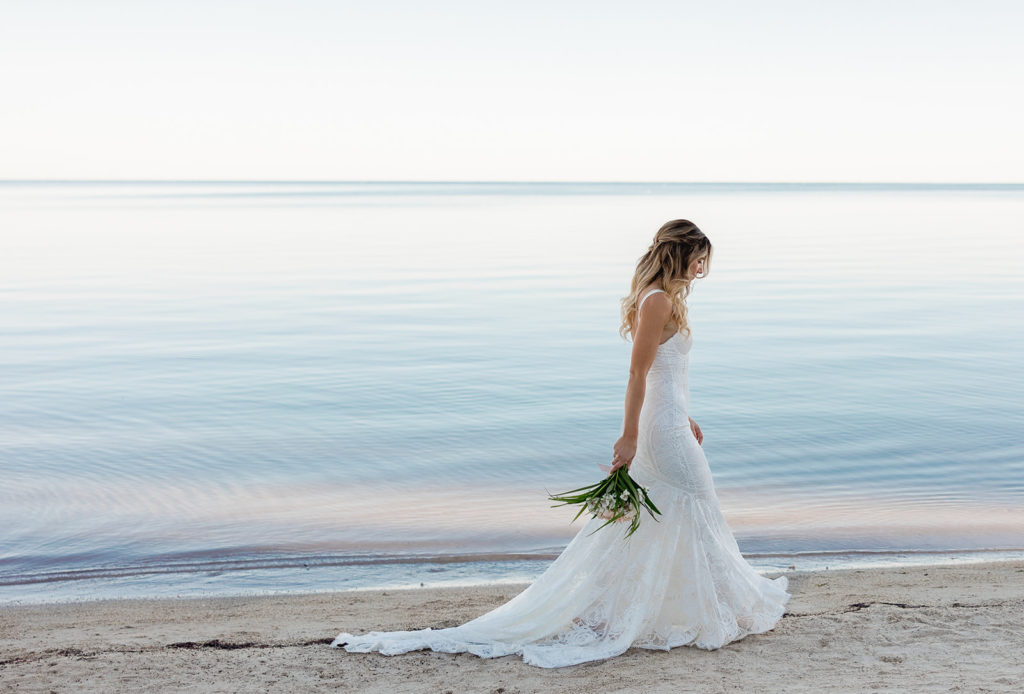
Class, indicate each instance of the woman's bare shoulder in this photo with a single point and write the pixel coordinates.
(647, 291)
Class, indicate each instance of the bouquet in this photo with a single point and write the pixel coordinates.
(616, 498)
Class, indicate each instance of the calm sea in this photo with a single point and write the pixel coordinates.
(216, 388)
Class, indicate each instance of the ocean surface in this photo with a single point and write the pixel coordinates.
(253, 387)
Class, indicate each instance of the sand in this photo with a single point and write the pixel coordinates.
(957, 628)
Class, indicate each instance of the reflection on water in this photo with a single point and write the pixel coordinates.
(234, 372)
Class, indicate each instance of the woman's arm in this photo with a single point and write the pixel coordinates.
(650, 325)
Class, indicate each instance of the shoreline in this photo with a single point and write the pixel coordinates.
(913, 628)
(319, 574)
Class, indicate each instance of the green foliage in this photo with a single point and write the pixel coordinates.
(615, 498)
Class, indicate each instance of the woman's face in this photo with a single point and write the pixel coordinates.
(697, 266)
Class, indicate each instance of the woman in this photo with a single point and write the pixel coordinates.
(679, 580)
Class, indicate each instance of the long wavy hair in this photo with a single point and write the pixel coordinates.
(666, 262)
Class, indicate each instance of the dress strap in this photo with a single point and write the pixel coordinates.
(653, 291)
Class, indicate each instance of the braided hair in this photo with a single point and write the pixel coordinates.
(667, 260)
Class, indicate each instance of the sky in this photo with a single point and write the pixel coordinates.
(512, 91)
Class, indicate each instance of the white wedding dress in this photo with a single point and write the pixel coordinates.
(678, 581)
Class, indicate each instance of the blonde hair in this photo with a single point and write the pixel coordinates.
(666, 262)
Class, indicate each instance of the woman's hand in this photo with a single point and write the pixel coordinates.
(696, 431)
(622, 453)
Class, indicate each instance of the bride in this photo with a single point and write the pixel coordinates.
(679, 580)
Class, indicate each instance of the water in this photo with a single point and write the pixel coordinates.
(234, 387)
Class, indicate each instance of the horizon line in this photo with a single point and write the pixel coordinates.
(325, 181)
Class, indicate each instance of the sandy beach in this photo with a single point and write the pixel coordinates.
(916, 629)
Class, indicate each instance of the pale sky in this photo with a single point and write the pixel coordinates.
(518, 90)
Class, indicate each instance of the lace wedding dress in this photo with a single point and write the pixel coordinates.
(678, 581)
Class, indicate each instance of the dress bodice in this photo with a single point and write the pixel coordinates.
(667, 385)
